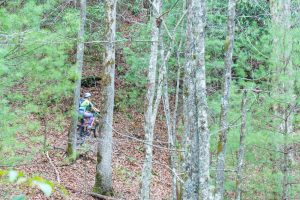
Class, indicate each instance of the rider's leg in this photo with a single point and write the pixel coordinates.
(90, 116)
(91, 122)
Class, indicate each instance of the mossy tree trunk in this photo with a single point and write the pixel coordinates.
(190, 165)
(195, 106)
(201, 100)
(221, 152)
(72, 138)
(103, 183)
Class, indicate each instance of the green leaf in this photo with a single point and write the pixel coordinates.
(63, 189)
(21, 180)
(3, 172)
(13, 176)
(19, 197)
(46, 188)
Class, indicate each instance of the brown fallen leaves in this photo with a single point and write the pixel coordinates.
(78, 177)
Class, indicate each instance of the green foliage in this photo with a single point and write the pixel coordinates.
(19, 197)
(19, 180)
(134, 6)
(94, 31)
(133, 75)
(33, 67)
(38, 42)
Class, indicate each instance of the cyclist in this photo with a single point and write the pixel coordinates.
(86, 107)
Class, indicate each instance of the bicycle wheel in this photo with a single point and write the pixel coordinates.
(96, 129)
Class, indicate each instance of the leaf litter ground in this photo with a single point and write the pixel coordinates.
(128, 156)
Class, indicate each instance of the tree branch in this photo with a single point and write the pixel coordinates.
(54, 167)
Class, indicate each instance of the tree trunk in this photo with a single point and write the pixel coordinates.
(191, 185)
(151, 109)
(239, 172)
(221, 150)
(103, 183)
(171, 119)
(195, 108)
(201, 100)
(72, 138)
(283, 79)
(170, 123)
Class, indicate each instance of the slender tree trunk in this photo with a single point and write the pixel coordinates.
(188, 108)
(179, 155)
(103, 183)
(191, 166)
(283, 79)
(72, 138)
(240, 163)
(201, 99)
(285, 167)
(170, 125)
(152, 105)
(171, 119)
(221, 150)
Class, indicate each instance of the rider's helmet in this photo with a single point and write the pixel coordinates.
(87, 95)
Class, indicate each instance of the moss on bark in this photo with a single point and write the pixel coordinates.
(71, 154)
(98, 187)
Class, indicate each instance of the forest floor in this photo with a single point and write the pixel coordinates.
(78, 177)
(128, 154)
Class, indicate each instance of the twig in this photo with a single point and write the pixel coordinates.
(54, 167)
(144, 141)
(268, 149)
(171, 170)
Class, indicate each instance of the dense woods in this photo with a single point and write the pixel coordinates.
(149, 99)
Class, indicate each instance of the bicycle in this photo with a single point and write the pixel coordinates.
(83, 131)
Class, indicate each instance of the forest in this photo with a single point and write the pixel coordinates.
(150, 99)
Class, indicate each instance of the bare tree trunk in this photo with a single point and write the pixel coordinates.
(240, 163)
(103, 183)
(191, 185)
(171, 119)
(201, 99)
(195, 106)
(170, 123)
(152, 105)
(286, 161)
(72, 138)
(221, 150)
(283, 79)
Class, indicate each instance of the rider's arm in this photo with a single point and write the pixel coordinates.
(94, 108)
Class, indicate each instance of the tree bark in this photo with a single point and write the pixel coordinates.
(171, 119)
(170, 123)
(191, 185)
(201, 99)
(103, 183)
(195, 108)
(240, 163)
(72, 138)
(152, 105)
(283, 79)
(221, 150)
